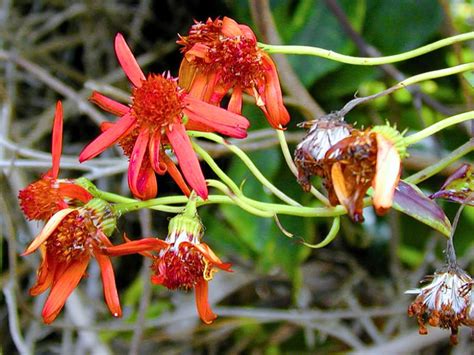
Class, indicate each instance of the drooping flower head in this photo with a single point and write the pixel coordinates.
(222, 55)
(157, 118)
(445, 302)
(46, 196)
(67, 242)
(182, 260)
(351, 161)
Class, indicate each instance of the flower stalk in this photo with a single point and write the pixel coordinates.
(327, 54)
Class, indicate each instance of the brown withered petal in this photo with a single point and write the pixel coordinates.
(310, 152)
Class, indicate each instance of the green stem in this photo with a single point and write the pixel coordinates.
(438, 126)
(431, 170)
(436, 74)
(248, 162)
(324, 53)
(291, 165)
(301, 211)
(407, 82)
(238, 199)
(336, 224)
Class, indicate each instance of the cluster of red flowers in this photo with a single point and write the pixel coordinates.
(220, 57)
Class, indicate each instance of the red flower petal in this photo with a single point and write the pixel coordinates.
(188, 161)
(138, 173)
(73, 191)
(63, 288)
(128, 62)
(154, 151)
(107, 138)
(175, 174)
(137, 246)
(44, 276)
(218, 119)
(108, 104)
(202, 303)
(275, 112)
(47, 230)
(108, 281)
(57, 141)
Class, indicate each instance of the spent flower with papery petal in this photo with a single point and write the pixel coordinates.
(182, 261)
(351, 161)
(221, 55)
(157, 118)
(67, 242)
(46, 196)
(445, 302)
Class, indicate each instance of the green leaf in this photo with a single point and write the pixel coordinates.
(397, 26)
(323, 30)
(410, 200)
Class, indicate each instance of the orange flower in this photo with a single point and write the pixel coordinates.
(67, 242)
(183, 261)
(156, 119)
(221, 55)
(46, 196)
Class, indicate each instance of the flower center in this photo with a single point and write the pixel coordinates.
(239, 60)
(40, 199)
(157, 103)
(181, 268)
(73, 238)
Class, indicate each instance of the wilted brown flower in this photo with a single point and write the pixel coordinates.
(446, 302)
(350, 161)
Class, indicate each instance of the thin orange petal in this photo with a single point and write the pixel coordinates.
(57, 140)
(187, 72)
(175, 174)
(108, 104)
(212, 257)
(202, 302)
(137, 246)
(108, 281)
(188, 161)
(235, 102)
(107, 138)
(128, 62)
(230, 27)
(387, 174)
(47, 230)
(220, 120)
(339, 183)
(45, 276)
(198, 50)
(61, 289)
